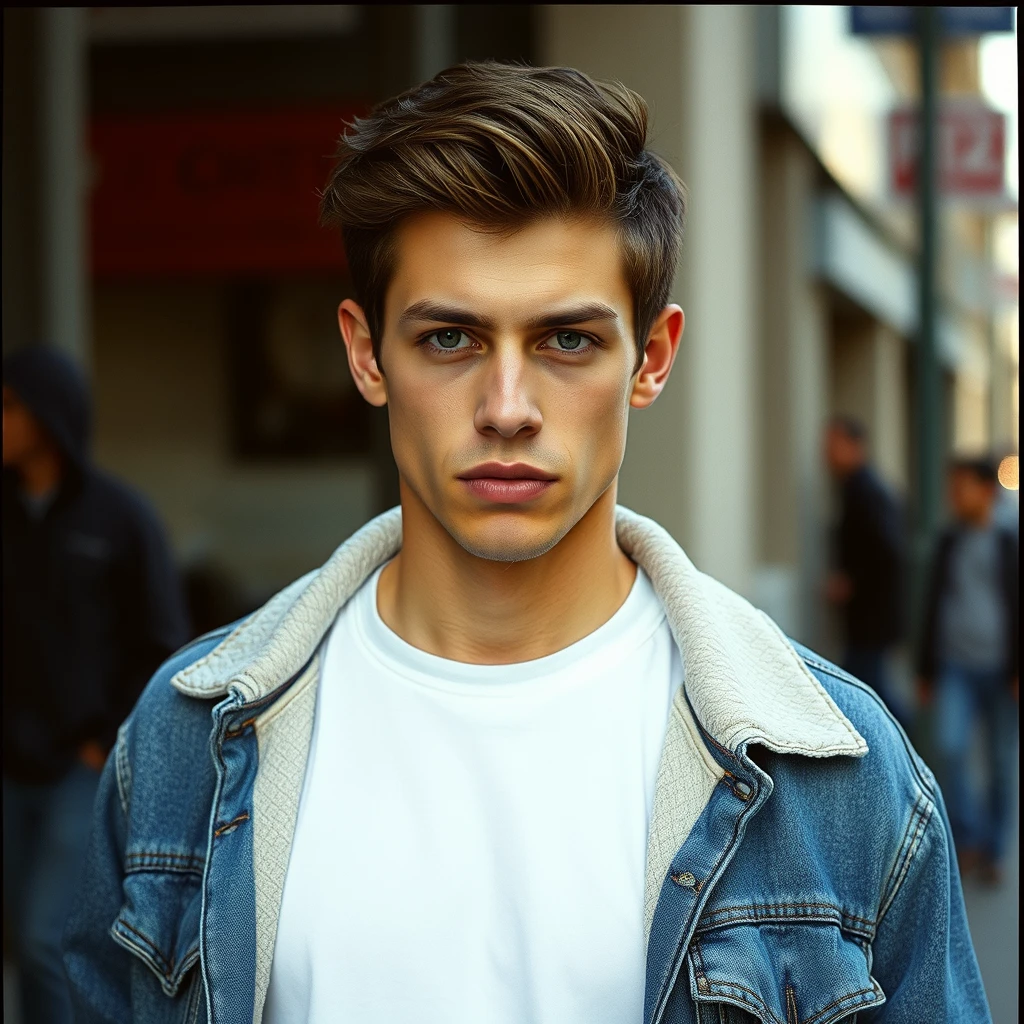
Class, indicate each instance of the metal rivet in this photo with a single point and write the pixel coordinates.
(743, 791)
(702, 984)
(685, 879)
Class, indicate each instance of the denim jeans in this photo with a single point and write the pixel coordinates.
(46, 832)
(870, 665)
(963, 697)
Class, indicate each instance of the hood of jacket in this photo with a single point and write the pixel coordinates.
(56, 392)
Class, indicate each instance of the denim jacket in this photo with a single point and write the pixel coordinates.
(799, 868)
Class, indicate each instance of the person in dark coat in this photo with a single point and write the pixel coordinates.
(91, 606)
(867, 582)
(968, 660)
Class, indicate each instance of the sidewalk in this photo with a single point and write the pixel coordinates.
(993, 916)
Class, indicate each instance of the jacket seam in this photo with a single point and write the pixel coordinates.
(151, 951)
(144, 861)
(818, 913)
(872, 991)
(908, 851)
(123, 767)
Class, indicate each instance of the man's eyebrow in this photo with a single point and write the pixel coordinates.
(584, 313)
(429, 311)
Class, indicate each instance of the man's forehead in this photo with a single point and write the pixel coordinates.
(545, 264)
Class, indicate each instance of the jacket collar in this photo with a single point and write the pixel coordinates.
(744, 680)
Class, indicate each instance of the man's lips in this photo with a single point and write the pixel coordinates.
(507, 484)
(501, 471)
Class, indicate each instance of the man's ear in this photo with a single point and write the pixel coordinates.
(361, 361)
(659, 355)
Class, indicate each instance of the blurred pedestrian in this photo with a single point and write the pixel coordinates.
(866, 583)
(91, 606)
(968, 660)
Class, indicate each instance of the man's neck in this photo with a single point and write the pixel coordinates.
(440, 598)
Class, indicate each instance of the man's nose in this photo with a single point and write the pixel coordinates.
(507, 405)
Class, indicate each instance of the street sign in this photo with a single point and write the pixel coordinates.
(971, 152)
(954, 21)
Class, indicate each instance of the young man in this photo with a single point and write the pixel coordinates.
(867, 582)
(508, 756)
(969, 660)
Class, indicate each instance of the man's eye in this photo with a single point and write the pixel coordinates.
(570, 341)
(449, 339)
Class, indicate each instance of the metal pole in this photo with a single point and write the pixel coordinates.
(929, 383)
(62, 93)
(995, 369)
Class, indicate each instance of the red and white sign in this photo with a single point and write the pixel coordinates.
(213, 193)
(971, 152)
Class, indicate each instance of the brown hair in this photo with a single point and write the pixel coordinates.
(499, 144)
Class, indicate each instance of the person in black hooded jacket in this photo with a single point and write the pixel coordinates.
(91, 606)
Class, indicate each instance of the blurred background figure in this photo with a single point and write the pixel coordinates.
(91, 606)
(969, 661)
(867, 579)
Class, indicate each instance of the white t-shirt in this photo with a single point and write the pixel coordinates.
(471, 839)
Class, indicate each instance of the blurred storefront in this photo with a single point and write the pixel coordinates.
(798, 279)
(160, 167)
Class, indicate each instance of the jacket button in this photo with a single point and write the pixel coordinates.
(743, 791)
(686, 879)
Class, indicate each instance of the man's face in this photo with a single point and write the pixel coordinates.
(508, 355)
(23, 436)
(843, 454)
(969, 497)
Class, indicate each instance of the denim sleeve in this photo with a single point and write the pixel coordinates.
(923, 956)
(98, 969)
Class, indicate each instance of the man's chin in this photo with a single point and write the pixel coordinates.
(507, 538)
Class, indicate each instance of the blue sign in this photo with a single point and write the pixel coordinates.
(953, 21)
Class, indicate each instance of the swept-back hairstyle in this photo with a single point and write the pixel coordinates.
(500, 144)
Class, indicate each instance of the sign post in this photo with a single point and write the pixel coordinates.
(929, 383)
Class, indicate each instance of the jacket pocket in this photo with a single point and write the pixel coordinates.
(159, 921)
(793, 973)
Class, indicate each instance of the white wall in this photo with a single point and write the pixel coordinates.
(689, 460)
(162, 424)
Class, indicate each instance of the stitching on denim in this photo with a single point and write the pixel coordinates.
(853, 932)
(873, 991)
(122, 767)
(924, 818)
(901, 851)
(142, 863)
(152, 950)
(230, 826)
(793, 906)
(165, 856)
(698, 960)
(791, 1013)
(756, 1001)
